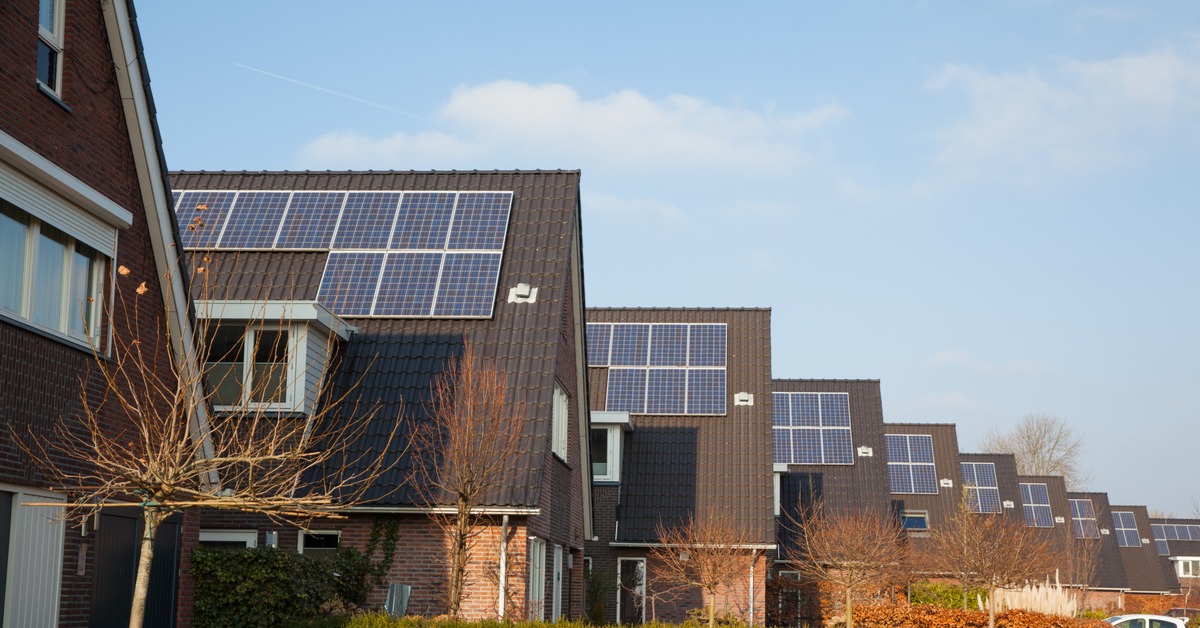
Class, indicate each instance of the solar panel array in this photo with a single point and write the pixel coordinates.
(1083, 519)
(1126, 529)
(1165, 532)
(661, 368)
(910, 464)
(983, 491)
(1035, 500)
(811, 428)
(391, 253)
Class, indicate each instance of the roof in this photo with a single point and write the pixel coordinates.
(391, 363)
(675, 466)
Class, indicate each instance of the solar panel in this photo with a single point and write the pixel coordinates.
(706, 391)
(820, 426)
(350, 281)
(1035, 502)
(668, 345)
(408, 284)
(480, 220)
(467, 286)
(201, 215)
(706, 345)
(424, 221)
(599, 336)
(1126, 528)
(983, 493)
(665, 391)
(367, 220)
(310, 220)
(910, 463)
(1083, 519)
(626, 390)
(781, 444)
(254, 220)
(630, 345)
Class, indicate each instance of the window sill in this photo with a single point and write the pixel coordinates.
(52, 95)
(70, 341)
(606, 482)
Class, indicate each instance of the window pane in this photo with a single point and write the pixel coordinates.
(270, 379)
(224, 364)
(48, 279)
(13, 226)
(46, 14)
(47, 65)
(83, 292)
(599, 449)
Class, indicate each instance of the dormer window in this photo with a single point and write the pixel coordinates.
(268, 356)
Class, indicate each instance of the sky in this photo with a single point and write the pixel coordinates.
(989, 207)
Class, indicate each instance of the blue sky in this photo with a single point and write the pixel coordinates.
(991, 207)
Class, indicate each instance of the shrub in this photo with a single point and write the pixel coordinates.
(945, 595)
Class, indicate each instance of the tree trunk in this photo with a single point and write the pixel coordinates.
(991, 604)
(458, 558)
(151, 517)
(849, 607)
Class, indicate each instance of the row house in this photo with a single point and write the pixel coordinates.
(364, 287)
(83, 192)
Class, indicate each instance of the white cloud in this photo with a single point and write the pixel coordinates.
(509, 124)
(1079, 117)
(963, 360)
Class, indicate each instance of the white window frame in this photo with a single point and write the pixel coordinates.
(297, 347)
(561, 413)
(300, 538)
(918, 532)
(53, 38)
(249, 537)
(536, 594)
(613, 453)
(1187, 566)
(89, 337)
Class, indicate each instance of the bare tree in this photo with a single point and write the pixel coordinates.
(1079, 560)
(709, 552)
(990, 551)
(1043, 444)
(164, 453)
(464, 452)
(851, 549)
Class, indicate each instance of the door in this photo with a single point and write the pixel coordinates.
(117, 548)
(556, 593)
(631, 596)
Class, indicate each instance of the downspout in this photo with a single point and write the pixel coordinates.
(503, 564)
(753, 559)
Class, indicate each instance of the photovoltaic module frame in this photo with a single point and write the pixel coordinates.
(395, 253)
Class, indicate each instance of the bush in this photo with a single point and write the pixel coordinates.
(265, 587)
(945, 595)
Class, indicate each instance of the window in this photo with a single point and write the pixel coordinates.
(983, 491)
(910, 464)
(228, 539)
(631, 594)
(318, 544)
(605, 443)
(51, 279)
(811, 428)
(1126, 527)
(1188, 567)
(561, 412)
(1035, 501)
(1083, 519)
(537, 579)
(915, 522)
(50, 44)
(251, 367)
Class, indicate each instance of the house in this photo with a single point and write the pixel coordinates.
(380, 281)
(1145, 572)
(924, 475)
(1177, 541)
(682, 401)
(82, 192)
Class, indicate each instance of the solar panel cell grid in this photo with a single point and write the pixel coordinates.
(626, 390)
(707, 345)
(668, 345)
(837, 446)
(201, 216)
(599, 335)
(630, 344)
(666, 391)
(706, 391)
(423, 221)
(806, 446)
(310, 220)
(924, 479)
(897, 448)
(781, 443)
(781, 411)
(254, 220)
(407, 285)
(480, 220)
(467, 286)
(367, 220)
(350, 281)
(900, 477)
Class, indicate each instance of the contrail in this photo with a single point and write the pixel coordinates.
(338, 94)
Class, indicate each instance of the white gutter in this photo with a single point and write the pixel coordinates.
(519, 511)
(748, 546)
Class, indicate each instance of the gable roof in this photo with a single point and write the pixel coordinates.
(391, 363)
